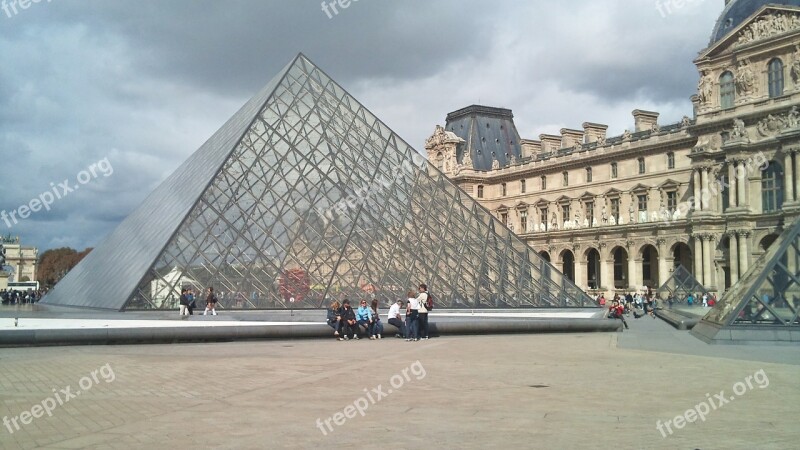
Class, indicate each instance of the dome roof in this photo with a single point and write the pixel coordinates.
(736, 11)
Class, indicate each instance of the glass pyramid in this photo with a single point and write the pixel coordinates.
(679, 286)
(766, 298)
(304, 196)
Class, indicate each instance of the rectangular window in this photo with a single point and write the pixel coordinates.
(504, 218)
(480, 191)
(670, 160)
(565, 179)
(565, 213)
(503, 190)
(641, 166)
(544, 182)
(543, 215)
(588, 174)
(613, 170)
(522, 186)
(590, 212)
(615, 209)
(642, 202)
(523, 221)
(672, 201)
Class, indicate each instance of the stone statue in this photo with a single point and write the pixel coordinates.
(554, 221)
(631, 212)
(686, 121)
(793, 117)
(626, 136)
(612, 220)
(604, 215)
(467, 161)
(705, 88)
(495, 163)
(745, 80)
(795, 69)
(739, 131)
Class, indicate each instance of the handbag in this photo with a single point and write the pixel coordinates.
(422, 309)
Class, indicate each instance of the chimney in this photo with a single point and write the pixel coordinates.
(530, 148)
(644, 119)
(594, 131)
(571, 138)
(550, 142)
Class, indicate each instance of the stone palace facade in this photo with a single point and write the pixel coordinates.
(711, 192)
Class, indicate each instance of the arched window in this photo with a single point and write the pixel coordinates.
(775, 72)
(440, 161)
(670, 160)
(588, 174)
(727, 91)
(480, 191)
(522, 186)
(641, 166)
(613, 170)
(772, 187)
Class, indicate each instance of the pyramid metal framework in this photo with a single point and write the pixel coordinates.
(765, 303)
(304, 196)
(679, 286)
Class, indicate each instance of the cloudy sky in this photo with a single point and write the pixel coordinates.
(142, 84)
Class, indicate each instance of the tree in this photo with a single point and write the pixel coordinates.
(55, 263)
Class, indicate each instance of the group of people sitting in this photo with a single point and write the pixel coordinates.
(348, 323)
(637, 304)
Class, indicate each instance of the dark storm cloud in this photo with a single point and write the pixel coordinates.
(145, 83)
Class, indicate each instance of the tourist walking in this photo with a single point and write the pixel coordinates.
(211, 302)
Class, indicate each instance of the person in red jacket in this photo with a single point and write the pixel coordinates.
(616, 311)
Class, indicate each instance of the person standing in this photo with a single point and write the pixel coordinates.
(211, 302)
(422, 299)
(184, 302)
(191, 297)
(412, 318)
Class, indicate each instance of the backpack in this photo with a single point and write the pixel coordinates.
(429, 302)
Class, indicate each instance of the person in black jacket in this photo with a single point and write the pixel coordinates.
(184, 301)
(335, 317)
(349, 322)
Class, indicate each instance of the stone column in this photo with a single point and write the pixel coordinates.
(632, 265)
(606, 282)
(581, 272)
(732, 198)
(707, 264)
(696, 182)
(733, 259)
(741, 184)
(788, 174)
(744, 252)
(698, 258)
(796, 170)
(663, 273)
(706, 192)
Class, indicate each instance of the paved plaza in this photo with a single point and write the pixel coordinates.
(597, 390)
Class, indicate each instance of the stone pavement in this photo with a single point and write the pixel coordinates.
(531, 391)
